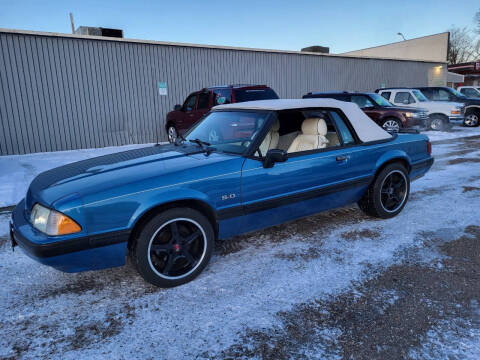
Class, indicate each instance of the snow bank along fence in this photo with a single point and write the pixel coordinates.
(63, 92)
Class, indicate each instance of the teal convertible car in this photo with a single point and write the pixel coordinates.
(241, 168)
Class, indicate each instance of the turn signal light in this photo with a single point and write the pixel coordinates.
(52, 222)
(429, 148)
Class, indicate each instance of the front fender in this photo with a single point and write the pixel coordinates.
(165, 197)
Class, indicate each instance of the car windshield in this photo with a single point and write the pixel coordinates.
(420, 97)
(380, 100)
(228, 131)
(471, 92)
(455, 92)
(242, 95)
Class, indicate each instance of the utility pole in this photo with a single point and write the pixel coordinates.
(71, 22)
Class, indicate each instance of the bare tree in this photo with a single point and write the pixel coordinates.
(476, 21)
(462, 47)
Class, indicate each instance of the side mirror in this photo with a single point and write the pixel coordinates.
(273, 156)
(406, 102)
(177, 107)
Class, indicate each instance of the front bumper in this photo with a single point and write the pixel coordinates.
(75, 254)
(411, 122)
(456, 118)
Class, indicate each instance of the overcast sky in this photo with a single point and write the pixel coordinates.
(342, 25)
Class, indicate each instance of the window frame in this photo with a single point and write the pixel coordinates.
(207, 93)
(195, 95)
(268, 124)
(410, 96)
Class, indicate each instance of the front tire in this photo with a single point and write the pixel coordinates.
(392, 125)
(174, 247)
(172, 134)
(438, 123)
(388, 193)
(472, 119)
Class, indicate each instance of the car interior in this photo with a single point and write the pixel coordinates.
(296, 131)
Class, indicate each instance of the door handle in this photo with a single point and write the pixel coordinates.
(342, 158)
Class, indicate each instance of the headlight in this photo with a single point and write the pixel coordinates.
(412, 115)
(52, 222)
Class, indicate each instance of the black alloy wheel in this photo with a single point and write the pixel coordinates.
(173, 247)
(393, 191)
(388, 193)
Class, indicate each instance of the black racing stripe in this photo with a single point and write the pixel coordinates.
(68, 246)
(290, 199)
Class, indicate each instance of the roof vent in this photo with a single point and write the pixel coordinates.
(99, 31)
(317, 49)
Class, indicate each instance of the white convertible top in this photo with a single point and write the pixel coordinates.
(366, 128)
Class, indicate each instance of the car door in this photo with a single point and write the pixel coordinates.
(404, 98)
(201, 108)
(188, 108)
(307, 183)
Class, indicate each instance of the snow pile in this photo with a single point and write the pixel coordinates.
(18, 171)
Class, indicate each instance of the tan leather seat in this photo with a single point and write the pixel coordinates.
(332, 139)
(271, 140)
(312, 137)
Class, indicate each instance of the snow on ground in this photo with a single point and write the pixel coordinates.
(115, 314)
(18, 171)
(455, 132)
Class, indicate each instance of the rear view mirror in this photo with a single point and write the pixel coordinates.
(177, 107)
(273, 156)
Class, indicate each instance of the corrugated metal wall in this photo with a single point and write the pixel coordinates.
(60, 93)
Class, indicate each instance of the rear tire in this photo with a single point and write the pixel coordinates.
(388, 193)
(174, 247)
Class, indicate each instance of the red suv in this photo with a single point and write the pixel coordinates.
(200, 102)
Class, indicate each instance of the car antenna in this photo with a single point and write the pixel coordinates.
(157, 143)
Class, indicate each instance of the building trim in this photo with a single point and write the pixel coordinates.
(204, 46)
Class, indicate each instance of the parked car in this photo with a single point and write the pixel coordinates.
(166, 205)
(200, 102)
(439, 112)
(443, 93)
(469, 91)
(380, 110)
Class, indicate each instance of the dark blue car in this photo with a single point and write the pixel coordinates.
(243, 167)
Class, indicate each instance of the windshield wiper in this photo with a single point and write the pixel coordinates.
(200, 142)
(204, 145)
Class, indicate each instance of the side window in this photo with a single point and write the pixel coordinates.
(203, 101)
(403, 97)
(362, 101)
(428, 93)
(386, 94)
(189, 104)
(441, 94)
(342, 128)
(222, 96)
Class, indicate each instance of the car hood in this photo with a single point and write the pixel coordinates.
(472, 101)
(160, 163)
